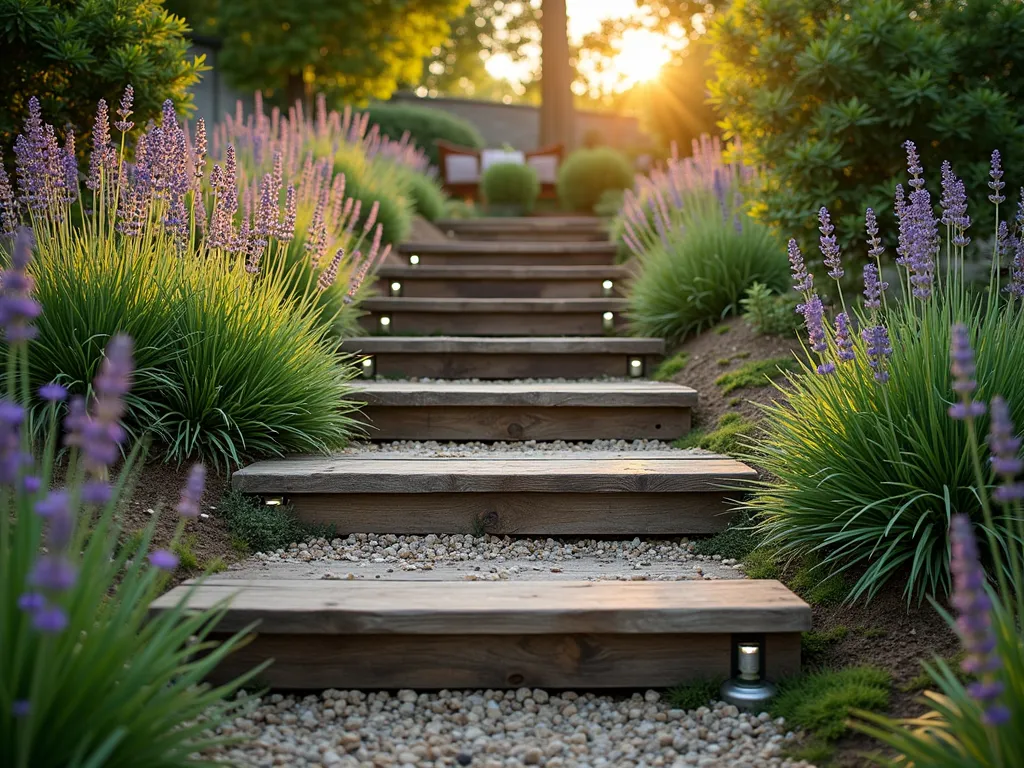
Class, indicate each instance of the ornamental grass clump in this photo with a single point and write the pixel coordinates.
(234, 350)
(696, 250)
(87, 676)
(869, 469)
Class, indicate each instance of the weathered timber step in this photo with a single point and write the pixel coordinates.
(468, 357)
(582, 495)
(493, 317)
(431, 635)
(516, 281)
(497, 252)
(459, 410)
(559, 228)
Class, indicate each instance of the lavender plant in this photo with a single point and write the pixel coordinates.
(978, 723)
(87, 677)
(235, 354)
(869, 470)
(697, 252)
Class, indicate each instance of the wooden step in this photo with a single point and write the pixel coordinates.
(459, 410)
(466, 252)
(582, 281)
(552, 228)
(467, 357)
(585, 494)
(546, 634)
(493, 317)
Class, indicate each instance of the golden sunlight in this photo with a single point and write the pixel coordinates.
(640, 57)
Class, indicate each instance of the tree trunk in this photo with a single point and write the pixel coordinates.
(297, 90)
(556, 109)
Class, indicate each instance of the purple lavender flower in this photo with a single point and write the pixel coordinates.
(879, 350)
(17, 307)
(919, 233)
(99, 434)
(330, 274)
(829, 246)
(954, 206)
(125, 110)
(53, 572)
(96, 492)
(974, 624)
(962, 367)
(30, 602)
(286, 229)
(20, 708)
(38, 161)
(814, 319)
(1016, 285)
(874, 287)
(53, 392)
(55, 507)
(192, 493)
(1004, 447)
(70, 166)
(164, 560)
(199, 155)
(50, 619)
(103, 158)
(900, 207)
(31, 484)
(996, 174)
(803, 280)
(12, 458)
(871, 225)
(8, 206)
(914, 164)
(844, 342)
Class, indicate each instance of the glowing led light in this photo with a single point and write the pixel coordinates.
(414, 259)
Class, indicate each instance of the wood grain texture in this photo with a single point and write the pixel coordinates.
(575, 662)
(526, 288)
(523, 422)
(357, 474)
(517, 247)
(600, 394)
(319, 607)
(520, 514)
(578, 345)
(392, 305)
(507, 272)
(494, 324)
(478, 365)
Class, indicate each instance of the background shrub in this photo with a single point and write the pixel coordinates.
(587, 174)
(263, 527)
(817, 89)
(71, 55)
(769, 313)
(376, 181)
(513, 184)
(425, 193)
(425, 126)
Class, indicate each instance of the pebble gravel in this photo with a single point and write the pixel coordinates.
(495, 729)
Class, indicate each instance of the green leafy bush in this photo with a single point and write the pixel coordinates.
(510, 184)
(587, 174)
(869, 467)
(425, 126)
(74, 54)
(425, 192)
(726, 437)
(817, 89)
(82, 654)
(379, 188)
(821, 703)
(263, 527)
(770, 314)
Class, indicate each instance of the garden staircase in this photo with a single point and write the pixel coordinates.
(516, 307)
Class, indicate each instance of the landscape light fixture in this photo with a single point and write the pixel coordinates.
(385, 324)
(748, 689)
(396, 288)
(368, 367)
(607, 288)
(636, 368)
(608, 321)
(414, 260)
(273, 501)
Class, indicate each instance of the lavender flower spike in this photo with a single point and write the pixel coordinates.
(192, 493)
(871, 226)
(879, 349)
(829, 246)
(996, 174)
(803, 280)
(962, 367)
(844, 342)
(17, 307)
(873, 287)
(974, 624)
(814, 318)
(125, 110)
(8, 206)
(1004, 446)
(163, 560)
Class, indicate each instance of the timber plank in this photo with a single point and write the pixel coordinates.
(392, 304)
(520, 247)
(556, 345)
(320, 607)
(601, 394)
(356, 474)
(508, 272)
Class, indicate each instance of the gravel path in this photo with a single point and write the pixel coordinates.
(488, 558)
(494, 729)
(527, 447)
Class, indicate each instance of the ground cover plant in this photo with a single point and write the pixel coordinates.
(235, 355)
(869, 468)
(82, 657)
(587, 174)
(697, 251)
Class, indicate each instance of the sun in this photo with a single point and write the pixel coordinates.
(640, 57)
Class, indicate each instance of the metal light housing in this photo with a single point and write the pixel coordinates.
(748, 689)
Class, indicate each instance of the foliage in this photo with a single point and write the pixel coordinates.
(350, 49)
(234, 358)
(814, 645)
(385, 196)
(820, 703)
(725, 438)
(424, 192)
(869, 468)
(513, 184)
(818, 88)
(425, 126)
(694, 695)
(668, 368)
(263, 527)
(675, 107)
(758, 373)
(82, 654)
(770, 314)
(735, 542)
(587, 174)
(610, 203)
(78, 53)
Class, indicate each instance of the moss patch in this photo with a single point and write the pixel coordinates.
(756, 374)
(724, 438)
(257, 527)
(670, 367)
(698, 693)
(814, 645)
(820, 703)
(736, 542)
